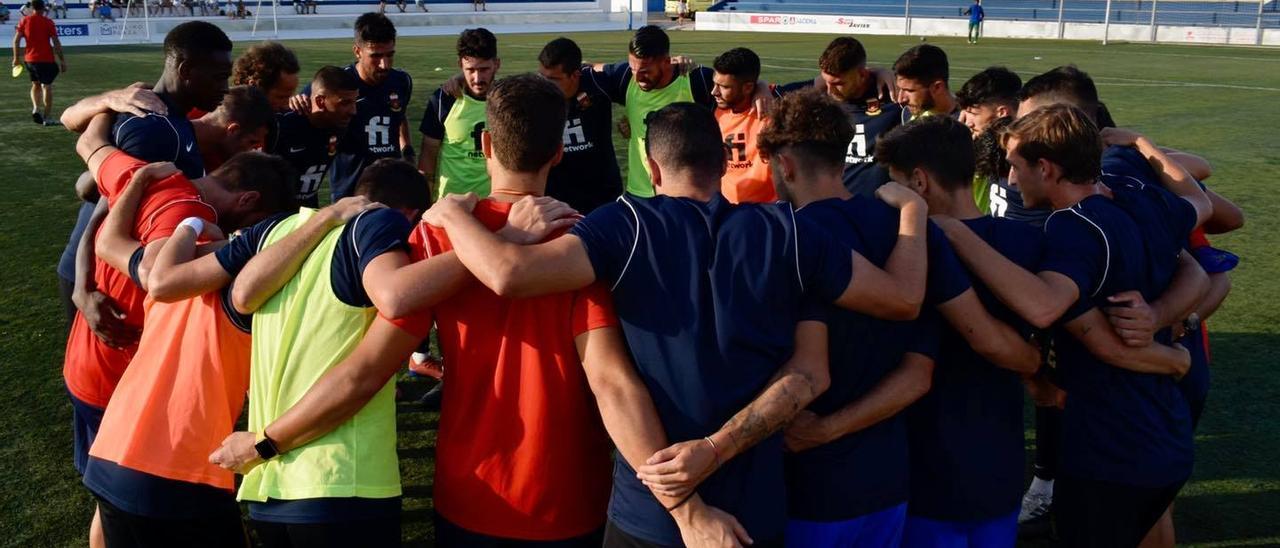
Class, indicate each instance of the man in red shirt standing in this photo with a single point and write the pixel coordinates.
(42, 44)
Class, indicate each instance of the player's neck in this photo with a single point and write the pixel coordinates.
(742, 106)
(681, 186)
(1069, 194)
(509, 186)
(822, 187)
(209, 134)
(212, 193)
(944, 106)
(960, 205)
(167, 87)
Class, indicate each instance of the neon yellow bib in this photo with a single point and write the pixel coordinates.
(299, 334)
(639, 104)
(462, 168)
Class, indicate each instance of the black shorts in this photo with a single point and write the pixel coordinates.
(85, 420)
(44, 73)
(449, 534)
(369, 533)
(219, 527)
(1102, 514)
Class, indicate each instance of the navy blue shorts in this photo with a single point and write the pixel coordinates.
(85, 420)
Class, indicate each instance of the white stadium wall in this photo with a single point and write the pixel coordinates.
(922, 26)
(336, 21)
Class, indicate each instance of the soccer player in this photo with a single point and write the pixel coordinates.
(309, 140)
(858, 423)
(844, 72)
(747, 177)
(185, 387)
(380, 128)
(922, 73)
(451, 126)
(271, 67)
(239, 123)
(688, 255)
(976, 16)
(989, 96)
(1126, 447)
(644, 83)
(41, 45)
(343, 488)
(587, 175)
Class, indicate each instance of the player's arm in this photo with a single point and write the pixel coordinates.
(1038, 298)
(341, 393)
(1195, 164)
(137, 99)
(509, 269)
(677, 470)
(429, 160)
(275, 265)
(17, 44)
(1097, 335)
(1172, 175)
(183, 269)
(57, 49)
(116, 244)
(1137, 321)
(991, 338)
(897, 291)
(94, 145)
(899, 389)
(100, 312)
(433, 132)
(1227, 216)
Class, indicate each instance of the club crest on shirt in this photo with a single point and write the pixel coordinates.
(873, 107)
(333, 145)
(394, 100)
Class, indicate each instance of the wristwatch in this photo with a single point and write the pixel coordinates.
(266, 448)
(1192, 323)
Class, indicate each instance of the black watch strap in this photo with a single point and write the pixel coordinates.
(266, 448)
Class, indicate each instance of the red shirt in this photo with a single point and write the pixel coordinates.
(521, 451)
(91, 368)
(39, 32)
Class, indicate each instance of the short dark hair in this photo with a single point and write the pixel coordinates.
(561, 53)
(270, 176)
(811, 124)
(247, 106)
(925, 63)
(989, 161)
(331, 78)
(477, 43)
(993, 86)
(263, 64)
(394, 183)
(1064, 83)
(1062, 134)
(525, 116)
(686, 136)
(375, 28)
(650, 41)
(740, 63)
(37, 5)
(195, 39)
(842, 55)
(937, 144)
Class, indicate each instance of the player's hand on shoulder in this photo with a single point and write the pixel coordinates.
(886, 81)
(137, 99)
(897, 195)
(453, 86)
(624, 128)
(532, 219)
(450, 203)
(1114, 136)
(153, 172)
(300, 103)
(347, 208)
(703, 526)
(1133, 319)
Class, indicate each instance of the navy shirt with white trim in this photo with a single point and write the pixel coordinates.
(708, 296)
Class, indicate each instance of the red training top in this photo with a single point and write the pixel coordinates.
(39, 31)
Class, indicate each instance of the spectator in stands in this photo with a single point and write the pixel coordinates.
(104, 12)
(422, 5)
(59, 7)
(682, 11)
(4, 13)
(976, 16)
(478, 5)
(311, 5)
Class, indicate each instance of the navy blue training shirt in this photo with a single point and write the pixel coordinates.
(866, 471)
(1118, 425)
(374, 132)
(1006, 202)
(708, 296)
(587, 176)
(310, 150)
(160, 138)
(967, 431)
(871, 116)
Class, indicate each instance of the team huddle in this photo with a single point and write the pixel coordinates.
(804, 314)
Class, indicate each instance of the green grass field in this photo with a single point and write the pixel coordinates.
(1219, 102)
